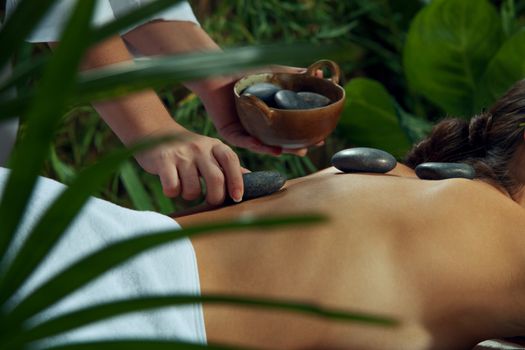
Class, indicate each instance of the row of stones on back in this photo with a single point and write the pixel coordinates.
(275, 96)
(371, 160)
(354, 160)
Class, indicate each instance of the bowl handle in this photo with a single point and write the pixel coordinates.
(256, 102)
(331, 65)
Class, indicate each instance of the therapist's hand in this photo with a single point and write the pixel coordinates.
(180, 164)
(218, 99)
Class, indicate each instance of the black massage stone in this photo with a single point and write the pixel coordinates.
(264, 91)
(287, 99)
(440, 171)
(313, 100)
(260, 183)
(364, 159)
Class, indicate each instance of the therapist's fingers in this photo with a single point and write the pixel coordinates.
(231, 167)
(189, 178)
(169, 180)
(214, 178)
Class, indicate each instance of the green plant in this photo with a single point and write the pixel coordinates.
(41, 108)
(458, 55)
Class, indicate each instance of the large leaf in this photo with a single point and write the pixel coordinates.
(96, 313)
(505, 68)
(369, 118)
(449, 45)
(99, 262)
(42, 119)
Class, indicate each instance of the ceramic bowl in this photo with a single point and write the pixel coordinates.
(292, 128)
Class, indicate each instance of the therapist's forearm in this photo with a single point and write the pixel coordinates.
(181, 37)
(133, 116)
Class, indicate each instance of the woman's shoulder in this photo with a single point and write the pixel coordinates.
(477, 200)
(470, 190)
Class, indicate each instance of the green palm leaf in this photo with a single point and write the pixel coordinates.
(103, 311)
(123, 78)
(156, 72)
(42, 118)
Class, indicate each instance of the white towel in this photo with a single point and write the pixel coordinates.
(171, 268)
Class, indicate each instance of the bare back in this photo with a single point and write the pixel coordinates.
(421, 251)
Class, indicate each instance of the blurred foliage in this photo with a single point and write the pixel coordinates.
(422, 62)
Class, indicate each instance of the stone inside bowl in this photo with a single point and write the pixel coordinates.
(276, 96)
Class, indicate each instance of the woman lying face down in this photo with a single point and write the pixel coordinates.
(446, 258)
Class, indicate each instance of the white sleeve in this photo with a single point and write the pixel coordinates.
(50, 28)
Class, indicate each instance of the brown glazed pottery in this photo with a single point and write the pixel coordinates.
(292, 128)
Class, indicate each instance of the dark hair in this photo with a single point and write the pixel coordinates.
(487, 142)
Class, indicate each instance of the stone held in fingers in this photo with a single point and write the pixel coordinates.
(260, 183)
(441, 171)
(313, 100)
(264, 91)
(364, 160)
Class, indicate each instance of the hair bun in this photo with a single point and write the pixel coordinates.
(448, 142)
(488, 142)
(478, 130)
